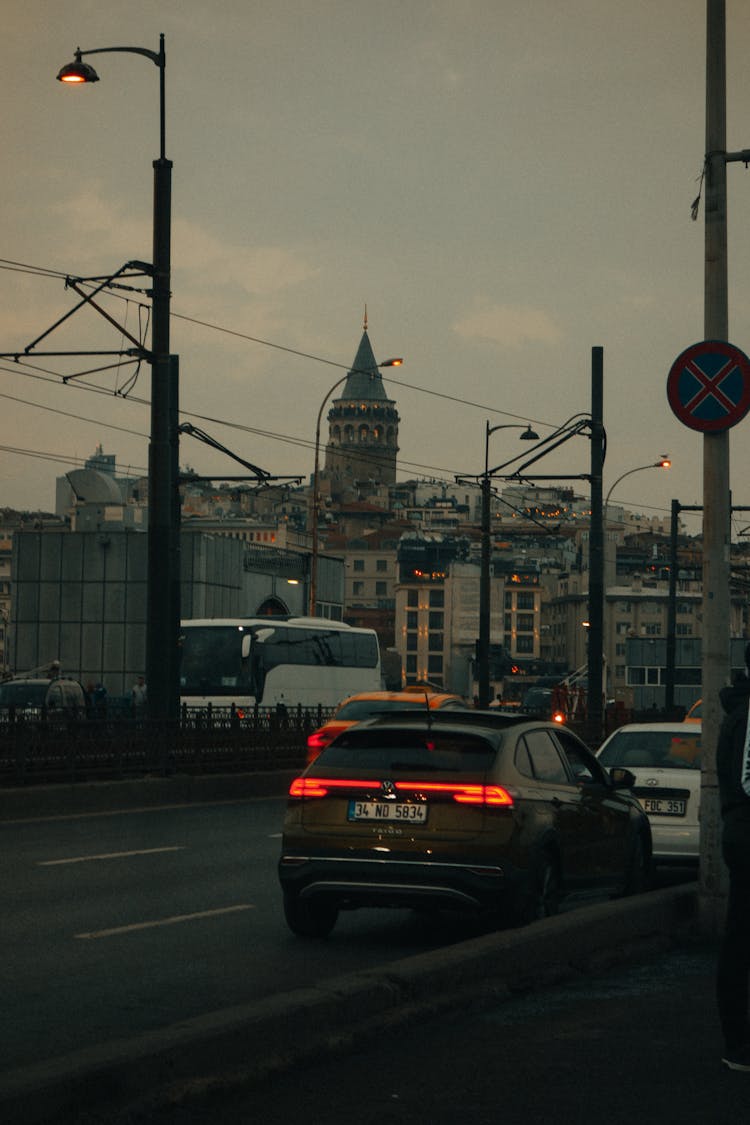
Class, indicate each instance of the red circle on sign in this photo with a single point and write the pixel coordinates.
(708, 386)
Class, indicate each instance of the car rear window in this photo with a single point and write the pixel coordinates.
(408, 750)
(663, 749)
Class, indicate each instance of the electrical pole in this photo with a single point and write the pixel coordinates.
(716, 497)
(596, 686)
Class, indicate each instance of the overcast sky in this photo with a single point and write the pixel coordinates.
(505, 186)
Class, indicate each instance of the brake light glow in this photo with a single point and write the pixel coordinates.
(463, 794)
(303, 788)
(318, 741)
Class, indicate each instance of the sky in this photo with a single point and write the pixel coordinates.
(503, 186)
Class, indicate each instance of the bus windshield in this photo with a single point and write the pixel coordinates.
(211, 661)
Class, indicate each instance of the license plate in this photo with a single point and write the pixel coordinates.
(663, 806)
(387, 811)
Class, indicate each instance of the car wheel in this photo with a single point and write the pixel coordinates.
(540, 897)
(638, 874)
(309, 919)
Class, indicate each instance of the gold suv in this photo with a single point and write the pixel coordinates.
(467, 810)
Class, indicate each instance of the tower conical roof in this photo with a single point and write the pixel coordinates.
(364, 381)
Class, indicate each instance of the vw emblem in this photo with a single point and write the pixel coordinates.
(389, 790)
(652, 781)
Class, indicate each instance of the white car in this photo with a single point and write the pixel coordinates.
(666, 761)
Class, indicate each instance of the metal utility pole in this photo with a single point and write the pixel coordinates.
(716, 495)
(485, 563)
(163, 578)
(483, 647)
(596, 686)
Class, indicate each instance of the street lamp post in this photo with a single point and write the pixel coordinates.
(314, 517)
(483, 645)
(163, 586)
(662, 463)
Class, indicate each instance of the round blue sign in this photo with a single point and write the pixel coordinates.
(708, 386)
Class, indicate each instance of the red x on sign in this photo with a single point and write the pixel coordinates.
(708, 386)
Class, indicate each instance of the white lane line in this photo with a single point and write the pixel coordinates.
(165, 921)
(107, 855)
(275, 836)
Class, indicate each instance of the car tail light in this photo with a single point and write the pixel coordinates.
(303, 788)
(464, 794)
(318, 740)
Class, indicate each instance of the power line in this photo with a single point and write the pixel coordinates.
(35, 270)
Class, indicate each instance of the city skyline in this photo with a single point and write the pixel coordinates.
(503, 188)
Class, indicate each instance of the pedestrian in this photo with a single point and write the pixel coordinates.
(733, 970)
(100, 699)
(139, 696)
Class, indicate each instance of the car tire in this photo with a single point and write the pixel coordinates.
(638, 874)
(309, 919)
(540, 895)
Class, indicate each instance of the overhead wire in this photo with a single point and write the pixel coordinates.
(125, 390)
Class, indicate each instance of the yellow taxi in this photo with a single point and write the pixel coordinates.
(368, 703)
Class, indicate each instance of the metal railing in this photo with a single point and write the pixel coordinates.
(113, 744)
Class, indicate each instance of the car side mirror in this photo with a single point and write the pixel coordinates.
(622, 778)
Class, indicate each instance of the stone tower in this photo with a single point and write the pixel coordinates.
(362, 427)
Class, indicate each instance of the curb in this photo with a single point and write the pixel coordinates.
(239, 1045)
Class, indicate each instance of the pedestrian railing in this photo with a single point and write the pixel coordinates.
(37, 748)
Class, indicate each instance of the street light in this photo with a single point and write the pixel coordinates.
(662, 463)
(163, 604)
(483, 646)
(313, 590)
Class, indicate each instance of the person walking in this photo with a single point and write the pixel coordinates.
(733, 970)
(139, 695)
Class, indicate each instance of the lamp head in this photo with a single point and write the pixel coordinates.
(77, 72)
(664, 463)
(529, 435)
(395, 362)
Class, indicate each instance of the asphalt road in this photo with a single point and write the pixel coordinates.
(118, 923)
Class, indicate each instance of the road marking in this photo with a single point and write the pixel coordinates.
(166, 921)
(275, 836)
(174, 805)
(107, 855)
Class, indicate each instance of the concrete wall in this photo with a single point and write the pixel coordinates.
(80, 598)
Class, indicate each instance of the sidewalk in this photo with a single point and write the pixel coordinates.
(639, 1043)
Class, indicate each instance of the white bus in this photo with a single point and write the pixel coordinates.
(273, 661)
